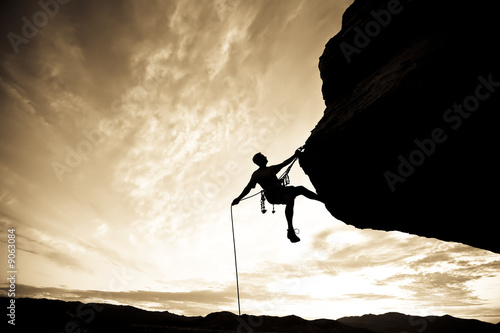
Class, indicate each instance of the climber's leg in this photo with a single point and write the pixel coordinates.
(289, 219)
(289, 213)
(301, 190)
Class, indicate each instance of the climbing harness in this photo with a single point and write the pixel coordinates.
(284, 181)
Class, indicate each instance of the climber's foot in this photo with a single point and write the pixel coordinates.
(292, 236)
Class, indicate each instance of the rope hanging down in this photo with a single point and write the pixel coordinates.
(236, 264)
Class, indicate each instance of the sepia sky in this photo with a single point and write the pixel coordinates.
(127, 128)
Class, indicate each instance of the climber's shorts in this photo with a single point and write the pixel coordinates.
(281, 195)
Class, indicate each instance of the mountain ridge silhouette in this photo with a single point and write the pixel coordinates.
(44, 315)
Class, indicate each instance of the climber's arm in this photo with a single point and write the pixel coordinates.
(289, 160)
(245, 191)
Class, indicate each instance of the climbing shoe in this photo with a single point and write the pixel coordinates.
(292, 236)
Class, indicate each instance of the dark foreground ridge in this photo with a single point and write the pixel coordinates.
(42, 315)
(394, 322)
(409, 138)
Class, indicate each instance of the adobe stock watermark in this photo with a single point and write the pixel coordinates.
(224, 8)
(30, 27)
(83, 316)
(453, 119)
(293, 284)
(93, 138)
(120, 279)
(220, 178)
(81, 152)
(424, 318)
(363, 36)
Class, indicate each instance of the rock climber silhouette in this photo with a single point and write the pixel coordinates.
(275, 191)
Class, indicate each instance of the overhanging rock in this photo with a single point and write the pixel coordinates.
(409, 138)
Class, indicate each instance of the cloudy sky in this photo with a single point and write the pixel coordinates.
(127, 128)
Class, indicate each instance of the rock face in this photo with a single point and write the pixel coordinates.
(408, 140)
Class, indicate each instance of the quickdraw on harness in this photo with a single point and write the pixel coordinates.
(284, 180)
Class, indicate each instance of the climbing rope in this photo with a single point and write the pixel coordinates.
(234, 246)
(284, 178)
(236, 264)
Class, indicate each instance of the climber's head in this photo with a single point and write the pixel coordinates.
(259, 159)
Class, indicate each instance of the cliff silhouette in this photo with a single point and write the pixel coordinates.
(408, 140)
